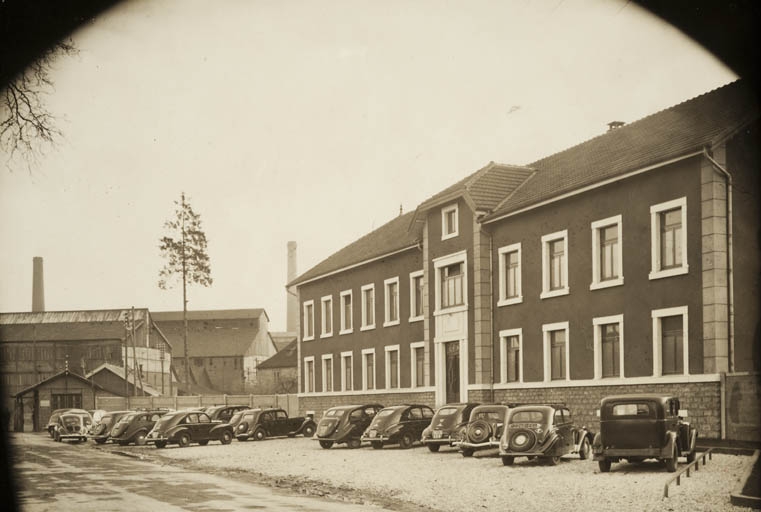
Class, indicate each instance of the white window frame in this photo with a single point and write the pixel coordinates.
(503, 336)
(657, 314)
(365, 352)
(413, 363)
(444, 211)
(597, 226)
(546, 329)
(347, 356)
(655, 239)
(503, 252)
(387, 351)
(343, 328)
(328, 299)
(328, 357)
(413, 303)
(597, 324)
(445, 261)
(387, 304)
(365, 326)
(309, 383)
(307, 305)
(546, 239)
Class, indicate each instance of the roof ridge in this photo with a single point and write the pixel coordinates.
(516, 189)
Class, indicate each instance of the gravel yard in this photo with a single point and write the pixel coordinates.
(446, 481)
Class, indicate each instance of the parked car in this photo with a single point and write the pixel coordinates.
(484, 429)
(544, 431)
(134, 427)
(345, 424)
(258, 424)
(399, 424)
(189, 426)
(639, 427)
(71, 426)
(447, 425)
(101, 430)
(237, 418)
(224, 412)
(53, 420)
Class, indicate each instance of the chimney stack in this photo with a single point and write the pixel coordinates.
(38, 286)
(292, 313)
(613, 125)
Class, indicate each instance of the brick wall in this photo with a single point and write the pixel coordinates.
(319, 404)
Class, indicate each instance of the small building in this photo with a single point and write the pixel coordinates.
(279, 373)
(111, 378)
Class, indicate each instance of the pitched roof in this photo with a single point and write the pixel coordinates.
(671, 133)
(282, 339)
(66, 325)
(210, 314)
(63, 373)
(389, 238)
(286, 358)
(119, 372)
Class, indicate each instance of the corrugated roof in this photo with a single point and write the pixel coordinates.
(59, 317)
(211, 314)
(665, 135)
(286, 358)
(66, 325)
(119, 372)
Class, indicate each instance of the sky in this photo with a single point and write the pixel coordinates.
(306, 121)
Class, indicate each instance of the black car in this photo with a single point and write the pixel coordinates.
(224, 412)
(189, 426)
(484, 428)
(345, 424)
(258, 424)
(101, 431)
(447, 425)
(134, 426)
(400, 424)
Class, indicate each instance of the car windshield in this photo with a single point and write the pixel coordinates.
(639, 409)
(527, 417)
(487, 415)
(334, 413)
(127, 417)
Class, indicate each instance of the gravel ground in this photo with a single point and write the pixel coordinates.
(446, 481)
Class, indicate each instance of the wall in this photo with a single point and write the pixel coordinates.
(743, 406)
(276, 380)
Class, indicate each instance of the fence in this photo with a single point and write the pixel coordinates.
(290, 403)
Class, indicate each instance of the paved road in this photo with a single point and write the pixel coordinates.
(59, 476)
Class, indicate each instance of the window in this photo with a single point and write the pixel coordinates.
(608, 346)
(347, 313)
(309, 320)
(668, 238)
(66, 401)
(449, 222)
(347, 376)
(392, 367)
(556, 365)
(417, 358)
(451, 285)
(391, 300)
(555, 265)
(327, 316)
(309, 374)
(327, 372)
(607, 268)
(416, 296)
(510, 275)
(368, 368)
(368, 307)
(511, 355)
(670, 347)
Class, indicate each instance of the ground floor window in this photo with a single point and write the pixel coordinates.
(556, 351)
(392, 367)
(608, 348)
(670, 347)
(511, 343)
(66, 401)
(417, 366)
(368, 369)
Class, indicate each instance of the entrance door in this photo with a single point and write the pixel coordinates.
(452, 355)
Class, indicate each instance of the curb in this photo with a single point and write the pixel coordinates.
(739, 499)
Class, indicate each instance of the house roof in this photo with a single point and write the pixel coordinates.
(282, 339)
(671, 133)
(391, 237)
(211, 314)
(228, 334)
(63, 373)
(285, 358)
(119, 372)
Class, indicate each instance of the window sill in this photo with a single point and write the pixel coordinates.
(449, 236)
(415, 319)
(391, 323)
(345, 331)
(326, 335)
(659, 274)
(308, 338)
(554, 293)
(367, 327)
(510, 301)
(599, 285)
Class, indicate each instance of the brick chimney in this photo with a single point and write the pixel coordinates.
(292, 313)
(38, 286)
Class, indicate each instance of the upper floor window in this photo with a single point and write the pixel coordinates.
(327, 316)
(452, 285)
(347, 313)
(368, 307)
(670, 346)
(449, 222)
(391, 301)
(416, 296)
(555, 264)
(608, 346)
(510, 291)
(308, 320)
(556, 365)
(607, 269)
(668, 238)
(511, 358)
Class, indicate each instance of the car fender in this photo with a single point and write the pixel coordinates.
(693, 439)
(217, 430)
(304, 424)
(174, 433)
(670, 443)
(583, 433)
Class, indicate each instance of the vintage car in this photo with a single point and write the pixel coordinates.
(71, 426)
(447, 425)
(101, 430)
(258, 424)
(483, 430)
(345, 424)
(53, 420)
(545, 431)
(134, 427)
(224, 412)
(188, 426)
(400, 424)
(639, 427)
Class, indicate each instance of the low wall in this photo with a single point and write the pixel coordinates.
(743, 406)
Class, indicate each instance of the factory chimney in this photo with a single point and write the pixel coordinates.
(38, 286)
(292, 313)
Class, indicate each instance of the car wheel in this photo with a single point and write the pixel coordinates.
(204, 442)
(184, 440)
(160, 444)
(376, 444)
(259, 434)
(604, 465)
(405, 441)
(140, 439)
(56, 437)
(507, 460)
(354, 443)
(326, 444)
(434, 447)
(691, 457)
(308, 431)
(672, 462)
(226, 438)
(100, 441)
(585, 449)
(467, 452)
(553, 460)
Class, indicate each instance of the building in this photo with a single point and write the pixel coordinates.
(224, 349)
(279, 373)
(627, 263)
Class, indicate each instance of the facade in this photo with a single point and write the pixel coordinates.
(279, 373)
(627, 263)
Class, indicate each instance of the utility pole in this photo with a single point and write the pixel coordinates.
(185, 301)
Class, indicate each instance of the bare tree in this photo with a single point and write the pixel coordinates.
(184, 249)
(27, 128)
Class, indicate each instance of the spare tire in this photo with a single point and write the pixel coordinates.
(479, 431)
(522, 440)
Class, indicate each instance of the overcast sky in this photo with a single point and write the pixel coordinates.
(307, 121)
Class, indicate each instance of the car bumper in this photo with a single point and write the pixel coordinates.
(647, 453)
(491, 443)
(377, 438)
(444, 440)
(73, 437)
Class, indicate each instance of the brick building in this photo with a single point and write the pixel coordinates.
(627, 263)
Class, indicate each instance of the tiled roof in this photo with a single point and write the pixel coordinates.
(668, 134)
(286, 358)
(391, 237)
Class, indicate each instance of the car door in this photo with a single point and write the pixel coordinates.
(427, 417)
(191, 422)
(560, 428)
(283, 426)
(204, 427)
(415, 422)
(267, 421)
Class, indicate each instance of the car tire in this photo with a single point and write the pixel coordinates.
(467, 452)
(184, 440)
(405, 441)
(260, 434)
(354, 443)
(672, 462)
(326, 444)
(308, 430)
(552, 460)
(507, 460)
(585, 450)
(604, 465)
(160, 444)
(434, 447)
(140, 439)
(377, 445)
(204, 442)
(691, 457)
(226, 438)
(56, 437)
